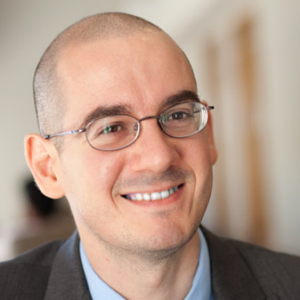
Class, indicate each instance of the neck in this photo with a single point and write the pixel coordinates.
(164, 275)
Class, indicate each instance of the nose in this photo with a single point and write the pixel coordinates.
(153, 151)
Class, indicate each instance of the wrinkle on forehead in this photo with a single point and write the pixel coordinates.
(125, 109)
(134, 62)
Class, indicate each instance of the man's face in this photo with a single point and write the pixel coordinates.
(140, 74)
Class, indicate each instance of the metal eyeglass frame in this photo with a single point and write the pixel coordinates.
(158, 118)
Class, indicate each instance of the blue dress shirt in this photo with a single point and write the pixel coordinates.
(200, 290)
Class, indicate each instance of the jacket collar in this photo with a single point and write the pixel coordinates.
(231, 276)
(67, 280)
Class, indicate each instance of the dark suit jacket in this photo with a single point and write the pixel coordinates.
(239, 272)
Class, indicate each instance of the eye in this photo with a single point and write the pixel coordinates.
(178, 115)
(110, 129)
(112, 132)
(107, 129)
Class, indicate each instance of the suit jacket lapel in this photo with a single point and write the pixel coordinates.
(67, 281)
(231, 277)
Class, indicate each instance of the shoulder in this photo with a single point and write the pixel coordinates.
(251, 269)
(256, 252)
(28, 273)
(266, 264)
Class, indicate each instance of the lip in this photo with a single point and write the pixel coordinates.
(171, 198)
(153, 196)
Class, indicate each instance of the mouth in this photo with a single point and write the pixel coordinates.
(151, 196)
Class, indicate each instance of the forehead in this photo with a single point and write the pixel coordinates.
(138, 72)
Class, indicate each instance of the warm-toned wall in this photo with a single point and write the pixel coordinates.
(247, 63)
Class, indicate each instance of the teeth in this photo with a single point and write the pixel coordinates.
(147, 197)
(139, 196)
(153, 196)
(165, 194)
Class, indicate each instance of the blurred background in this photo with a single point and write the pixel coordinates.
(245, 55)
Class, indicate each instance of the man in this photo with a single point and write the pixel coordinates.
(126, 139)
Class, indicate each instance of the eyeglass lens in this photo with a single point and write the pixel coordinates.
(119, 131)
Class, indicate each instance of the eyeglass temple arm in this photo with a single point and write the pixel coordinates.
(48, 136)
(207, 107)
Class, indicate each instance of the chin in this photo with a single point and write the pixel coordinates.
(165, 243)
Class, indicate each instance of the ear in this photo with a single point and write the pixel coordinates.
(213, 150)
(42, 158)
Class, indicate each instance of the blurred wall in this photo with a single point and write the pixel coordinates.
(245, 56)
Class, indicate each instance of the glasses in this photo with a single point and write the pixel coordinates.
(119, 131)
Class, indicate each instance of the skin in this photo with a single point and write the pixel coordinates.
(150, 245)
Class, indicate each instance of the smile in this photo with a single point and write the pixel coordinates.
(151, 196)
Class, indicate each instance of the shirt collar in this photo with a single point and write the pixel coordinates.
(201, 287)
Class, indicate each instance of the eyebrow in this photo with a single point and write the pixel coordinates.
(112, 110)
(105, 111)
(180, 97)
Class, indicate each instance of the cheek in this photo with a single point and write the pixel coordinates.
(197, 151)
(89, 181)
(101, 170)
(199, 160)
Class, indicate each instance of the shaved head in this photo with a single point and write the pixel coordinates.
(48, 90)
(100, 67)
(49, 95)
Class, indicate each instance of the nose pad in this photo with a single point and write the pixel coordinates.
(136, 127)
(154, 150)
(149, 118)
